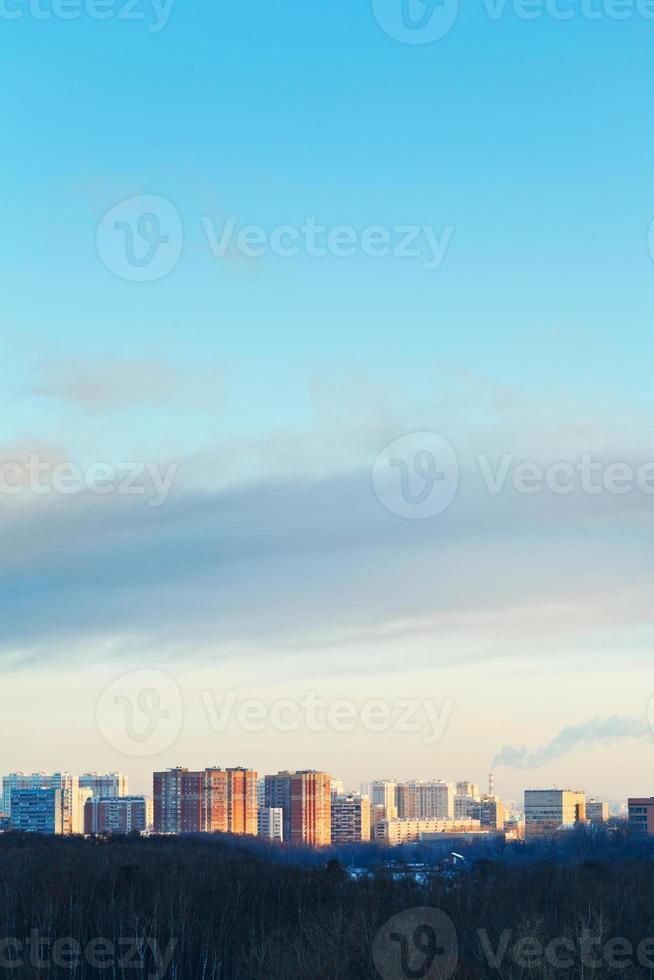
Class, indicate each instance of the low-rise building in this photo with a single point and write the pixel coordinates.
(402, 831)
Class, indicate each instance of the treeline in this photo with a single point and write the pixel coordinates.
(219, 909)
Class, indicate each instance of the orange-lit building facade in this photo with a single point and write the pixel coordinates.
(208, 801)
(311, 808)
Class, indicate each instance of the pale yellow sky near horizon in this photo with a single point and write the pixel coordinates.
(444, 723)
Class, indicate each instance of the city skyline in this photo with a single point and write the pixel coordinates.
(306, 808)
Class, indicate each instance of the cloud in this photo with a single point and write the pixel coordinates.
(308, 562)
(99, 384)
(569, 738)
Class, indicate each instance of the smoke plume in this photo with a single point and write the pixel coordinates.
(595, 730)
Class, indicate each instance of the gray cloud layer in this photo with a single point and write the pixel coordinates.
(314, 562)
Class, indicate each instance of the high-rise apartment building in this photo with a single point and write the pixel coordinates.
(311, 808)
(117, 814)
(464, 806)
(421, 800)
(305, 799)
(550, 810)
(105, 784)
(192, 805)
(71, 801)
(271, 823)
(490, 812)
(243, 806)
(350, 816)
(37, 811)
(384, 793)
(167, 801)
(377, 817)
(208, 801)
(20, 780)
(278, 795)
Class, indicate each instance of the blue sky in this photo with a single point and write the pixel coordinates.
(265, 378)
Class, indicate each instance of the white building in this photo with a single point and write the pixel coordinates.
(271, 822)
(384, 793)
(106, 785)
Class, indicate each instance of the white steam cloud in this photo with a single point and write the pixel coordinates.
(597, 729)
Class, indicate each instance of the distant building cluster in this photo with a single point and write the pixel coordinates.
(304, 807)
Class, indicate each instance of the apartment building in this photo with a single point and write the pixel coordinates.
(105, 784)
(208, 801)
(71, 800)
(37, 811)
(277, 794)
(490, 812)
(550, 810)
(117, 815)
(350, 818)
(271, 823)
(311, 808)
(422, 800)
(384, 793)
